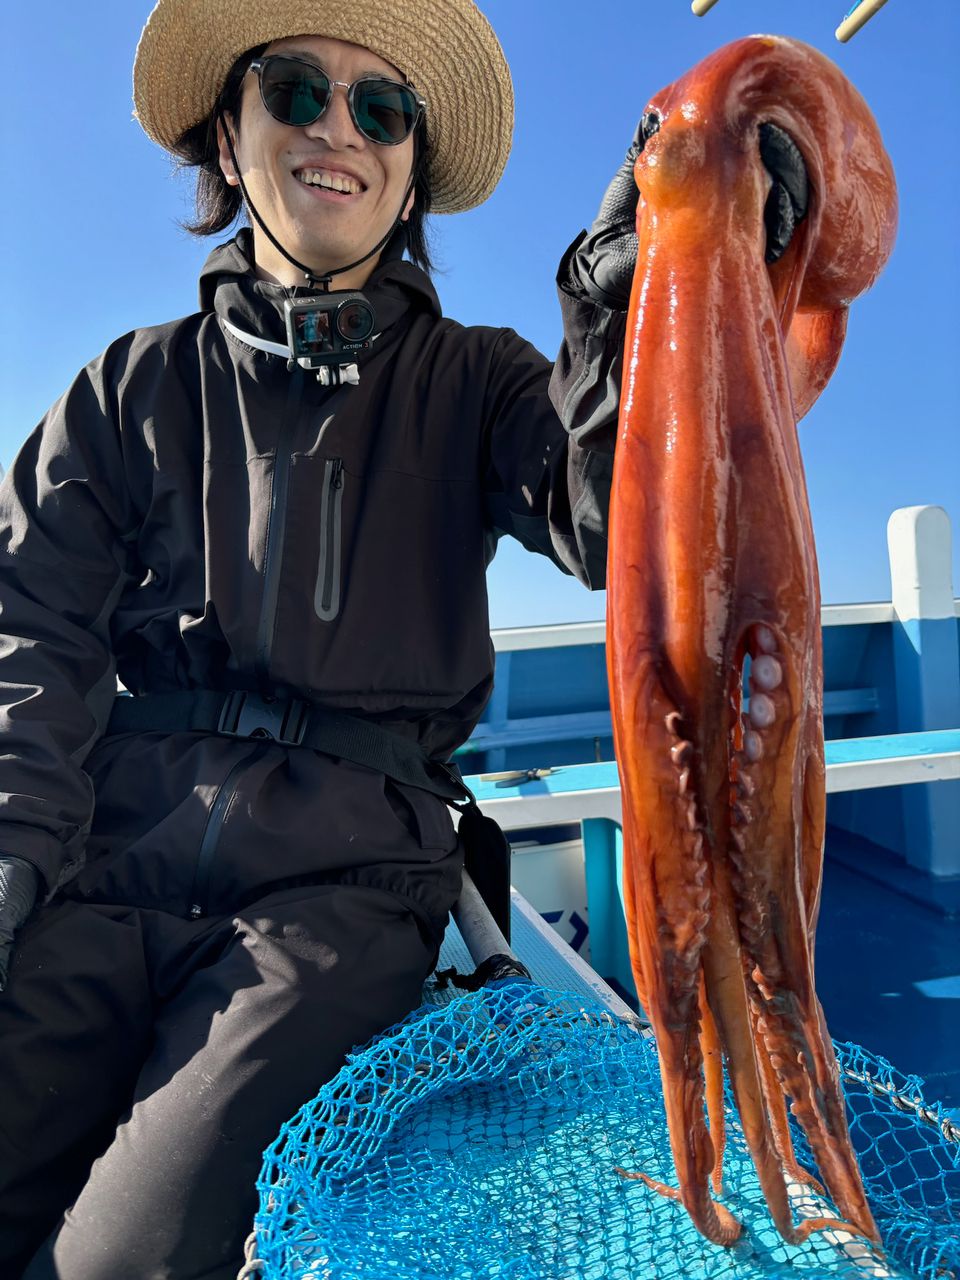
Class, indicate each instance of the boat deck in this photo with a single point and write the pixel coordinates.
(888, 971)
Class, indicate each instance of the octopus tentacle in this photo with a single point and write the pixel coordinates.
(777, 951)
(775, 940)
(712, 1052)
(728, 1005)
(779, 1125)
(666, 950)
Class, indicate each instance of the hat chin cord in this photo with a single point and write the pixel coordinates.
(313, 278)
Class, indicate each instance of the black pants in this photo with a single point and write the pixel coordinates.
(146, 1062)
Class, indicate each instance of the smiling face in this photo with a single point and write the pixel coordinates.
(326, 192)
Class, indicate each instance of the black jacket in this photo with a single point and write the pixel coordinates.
(192, 513)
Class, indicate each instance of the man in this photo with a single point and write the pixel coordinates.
(211, 891)
(206, 918)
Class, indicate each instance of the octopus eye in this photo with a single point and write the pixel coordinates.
(649, 125)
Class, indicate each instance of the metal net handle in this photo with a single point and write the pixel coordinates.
(912, 1106)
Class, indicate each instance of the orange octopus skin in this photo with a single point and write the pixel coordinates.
(711, 559)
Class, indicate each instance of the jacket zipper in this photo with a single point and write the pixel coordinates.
(327, 596)
(200, 891)
(273, 556)
(276, 523)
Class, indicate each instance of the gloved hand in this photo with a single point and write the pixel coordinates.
(790, 194)
(19, 885)
(605, 259)
(604, 262)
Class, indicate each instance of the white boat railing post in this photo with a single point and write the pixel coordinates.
(927, 672)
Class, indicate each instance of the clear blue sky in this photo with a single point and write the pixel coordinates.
(90, 210)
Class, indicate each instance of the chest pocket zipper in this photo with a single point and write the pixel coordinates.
(326, 599)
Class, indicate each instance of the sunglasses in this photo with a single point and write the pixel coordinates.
(298, 92)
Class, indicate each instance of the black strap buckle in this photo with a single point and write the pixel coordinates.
(247, 715)
(450, 772)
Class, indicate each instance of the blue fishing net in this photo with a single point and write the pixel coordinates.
(480, 1139)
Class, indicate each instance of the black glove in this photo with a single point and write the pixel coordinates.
(790, 194)
(603, 265)
(604, 262)
(19, 884)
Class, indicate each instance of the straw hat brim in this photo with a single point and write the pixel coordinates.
(446, 48)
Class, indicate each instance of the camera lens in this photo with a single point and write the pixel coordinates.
(355, 321)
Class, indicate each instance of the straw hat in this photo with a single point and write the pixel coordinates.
(446, 48)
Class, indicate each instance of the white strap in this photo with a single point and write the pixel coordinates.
(261, 344)
(327, 375)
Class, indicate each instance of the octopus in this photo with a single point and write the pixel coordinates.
(713, 633)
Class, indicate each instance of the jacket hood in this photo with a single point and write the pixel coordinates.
(230, 287)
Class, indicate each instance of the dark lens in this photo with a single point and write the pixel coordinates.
(355, 321)
(384, 110)
(293, 92)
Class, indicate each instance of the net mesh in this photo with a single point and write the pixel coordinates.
(480, 1139)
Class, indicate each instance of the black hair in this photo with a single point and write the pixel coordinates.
(218, 204)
